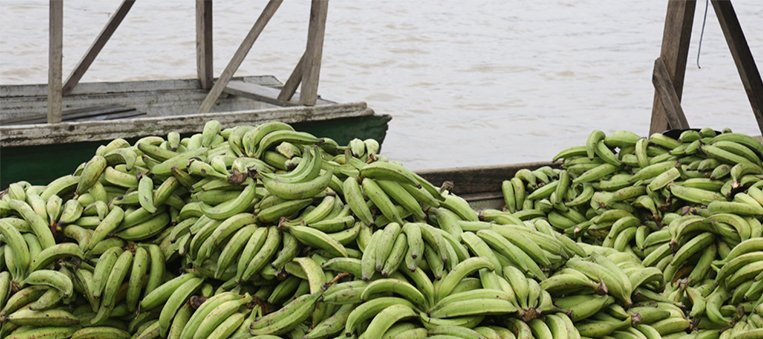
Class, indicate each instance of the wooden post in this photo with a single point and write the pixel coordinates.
(97, 45)
(238, 57)
(671, 104)
(290, 87)
(204, 67)
(55, 60)
(745, 63)
(675, 50)
(314, 51)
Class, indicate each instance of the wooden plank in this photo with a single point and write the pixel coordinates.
(97, 46)
(743, 59)
(238, 57)
(290, 87)
(314, 52)
(73, 114)
(55, 60)
(473, 180)
(263, 93)
(125, 87)
(668, 98)
(31, 135)
(204, 50)
(675, 50)
(156, 97)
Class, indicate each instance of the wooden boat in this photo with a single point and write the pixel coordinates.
(480, 186)
(39, 153)
(82, 116)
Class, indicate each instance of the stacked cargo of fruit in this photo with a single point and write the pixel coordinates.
(263, 231)
(686, 207)
(273, 232)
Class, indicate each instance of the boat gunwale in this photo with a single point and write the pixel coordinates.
(67, 132)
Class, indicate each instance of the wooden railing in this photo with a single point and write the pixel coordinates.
(306, 72)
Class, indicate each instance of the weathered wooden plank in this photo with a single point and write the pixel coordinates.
(129, 114)
(125, 87)
(55, 60)
(204, 50)
(97, 46)
(668, 98)
(290, 87)
(71, 114)
(675, 50)
(743, 58)
(263, 93)
(314, 52)
(238, 57)
(473, 180)
(155, 97)
(30, 135)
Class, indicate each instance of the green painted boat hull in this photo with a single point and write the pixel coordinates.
(41, 164)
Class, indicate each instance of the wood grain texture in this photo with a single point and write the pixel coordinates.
(55, 60)
(108, 112)
(671, 104)
(290, 87)
(238, 57)
(675, 50)
(155, 97)
(314, 52)
(30, 135)
(745, 63)
(204, 50)
(97, 46)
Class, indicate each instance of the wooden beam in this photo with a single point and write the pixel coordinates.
(97, 46)
(239, 56)
(743, 59)
(474, 180)
(314, 52)
(668, 98)
(55, 60)
(290, 87)
(204, 50)
(67, 132)
(675, 50)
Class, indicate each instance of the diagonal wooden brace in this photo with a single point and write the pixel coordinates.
(238, 57)
(97, 46)
(743, 59)
(671, 103)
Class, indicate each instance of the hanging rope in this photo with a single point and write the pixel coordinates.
(702, 32)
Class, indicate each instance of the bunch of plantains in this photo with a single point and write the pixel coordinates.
(266, 232)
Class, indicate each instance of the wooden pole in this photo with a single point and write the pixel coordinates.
(290, 87)
(55, 60)
(669, 100)
(314, 51)
(204, 56)
(238, 57)
(675, 50)
(743, 59)
(97, 46)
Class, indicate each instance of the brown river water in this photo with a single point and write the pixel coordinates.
(468, 83)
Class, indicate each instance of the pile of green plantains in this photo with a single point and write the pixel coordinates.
(266, 232)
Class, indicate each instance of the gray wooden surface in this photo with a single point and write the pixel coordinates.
(155, 97)
(45, 134)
